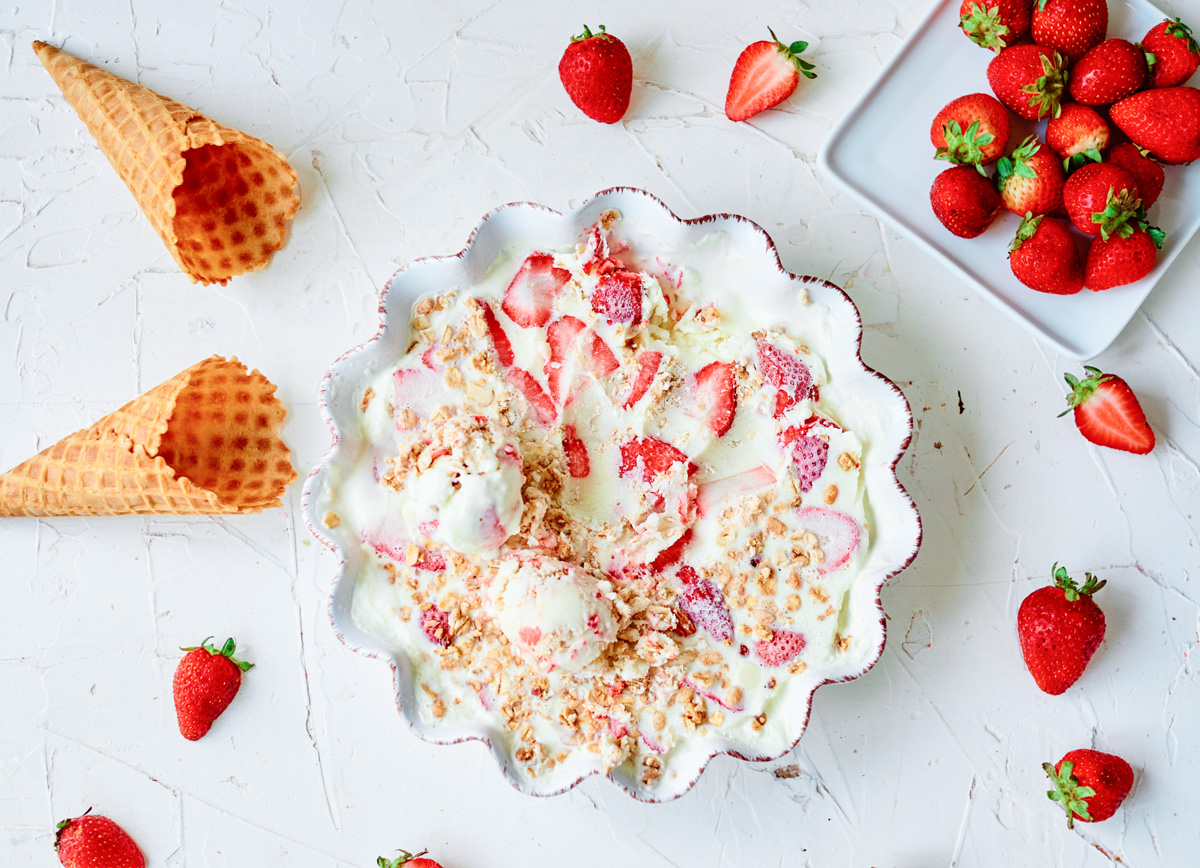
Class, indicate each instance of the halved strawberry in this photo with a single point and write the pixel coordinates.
(654, 457)
(784, 646)
(647, 362)
(765, 75)
(618, 297)
(544, 411)
(504, 350)
(577, 455)
(787, 373)
(529, 299)
(1108, 413)
(716, 399)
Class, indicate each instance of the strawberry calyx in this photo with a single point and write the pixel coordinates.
(1121, 213)
(1046, 91)
(226, 650)
(965, 147)
(1027, 229)
(1073, 162)
(791, 53)
(1082, 390)
(62, 827)
(1068, 793)
(399, 861)
(1180, 30)
(1070, 589)
(1017, 163)
(985, 27)
(587, 34)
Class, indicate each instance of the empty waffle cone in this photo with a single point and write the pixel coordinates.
(219, 199)
(205, 441)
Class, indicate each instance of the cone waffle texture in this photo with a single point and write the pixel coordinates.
(205, 441)
(219, 199)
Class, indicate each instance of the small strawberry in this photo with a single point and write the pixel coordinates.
(964, 201)
(765, 75)
(1030, 179)
(784, 646)
(1108, 413)
(1044, 257)
(715, 396)
(407, 860)
(597, 73)
(1089, 785)
(1124, 257)
(618, 297)
(1060, 627)
(92, 841)
(654, 457)
(1164, 121)
(1069, 26)
(1078, 135)
(787, 373)
(1176, 54)
(970, 129)
(703, 602)
(647, 362)
(1100, 198)
(994, 24)
(1148, 174)
(1108, 72)
(577, 455)
(1029, 79)
(809, 457)
(529, 299)
(205, 683)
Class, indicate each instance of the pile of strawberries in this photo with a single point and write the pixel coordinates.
(1052, 61)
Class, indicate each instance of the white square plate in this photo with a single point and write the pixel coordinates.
(881, 153)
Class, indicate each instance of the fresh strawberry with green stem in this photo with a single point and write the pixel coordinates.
(995, 24)
(970, 129)
(206, 681)
(1107, 412)
(765, 74)
(1030, 179)
(1069, 26)
(92, 841)
(1078, 135)
(1043, 256)
(407, 860)
(1060, 627)
(1100, 198)
(1164, 121)
(597, 73)
(964, 201)
(1110, 71)
(1090, 785)
(1029, 79)
(1148, 174)
(1124, 257)
(1175, 51)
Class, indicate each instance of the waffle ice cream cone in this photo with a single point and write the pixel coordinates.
(219, 199)
(205, 441)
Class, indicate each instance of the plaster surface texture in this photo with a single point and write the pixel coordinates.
(406, 123)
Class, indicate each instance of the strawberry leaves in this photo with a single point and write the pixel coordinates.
(792, 54)
(1068, 792)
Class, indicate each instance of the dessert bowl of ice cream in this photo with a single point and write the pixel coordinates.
(613, 493)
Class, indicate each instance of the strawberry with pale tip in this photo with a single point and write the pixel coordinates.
(1089, 784)
(205, 683)
(765, 74)
(1176, 55)
(994, 24)
(1043, 256)
(1079, 135)
(597, 73)
(92, 841)
(1107, 412)
(970, 129)
(1030, 179)
(1060, 627)
(1030, 80)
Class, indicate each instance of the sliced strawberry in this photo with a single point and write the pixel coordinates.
(618, 297)
(787, 373)
(504, 350)
(595, 249)
(577, 455)
(655, 457)
(647, 362)
(703, 602)
(837, 534)
(544, 410)
(783, 647)
(809, 457)
(436, 625)
(716, 492)
(715, 396)
(672, 554)
(1108, 413)
(566, 336)
(765, 75)
(529, 299)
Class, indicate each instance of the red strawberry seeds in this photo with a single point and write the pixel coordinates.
(92, 841)
(1089, 785)
(597, 73)
(1060, 628)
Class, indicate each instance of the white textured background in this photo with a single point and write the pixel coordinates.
(406, 122)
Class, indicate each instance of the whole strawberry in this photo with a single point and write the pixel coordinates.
(407, 860)
(1100, 198)
(1164, 121)
(1176, 54)
(970, 129)
(205, 683)
(1108, 413)
(1089, 785)
(1030, 179)
(1060, 628)
(1124, 257)
(994, 24)
(1044, 257)
(92, 841)
(597, 73)
(1078, 135)
(765, 74)
(964, 201)
(1148, 174)
(1108, 72)
(1069, 26)
(1029, 79)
